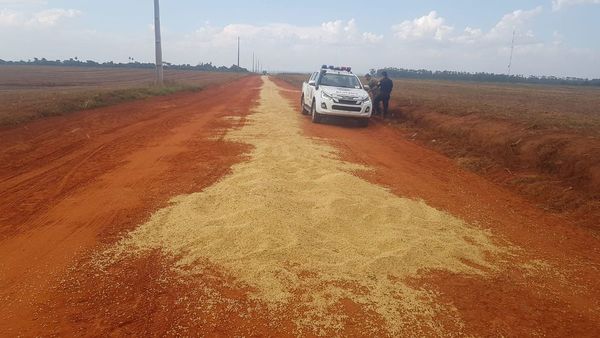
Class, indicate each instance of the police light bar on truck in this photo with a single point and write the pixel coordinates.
(342, 69)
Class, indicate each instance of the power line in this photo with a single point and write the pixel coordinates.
(159, 62)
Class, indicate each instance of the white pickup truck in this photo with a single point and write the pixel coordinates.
(335, 91)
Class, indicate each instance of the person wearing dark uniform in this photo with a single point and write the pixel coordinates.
(385, 90)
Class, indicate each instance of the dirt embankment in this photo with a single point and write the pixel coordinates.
(559, 169)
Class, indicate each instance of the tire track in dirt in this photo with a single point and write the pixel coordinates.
(125, 162)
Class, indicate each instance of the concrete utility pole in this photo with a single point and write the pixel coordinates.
(159, 62)
(512, 50)
(253, 63)
(238, 52)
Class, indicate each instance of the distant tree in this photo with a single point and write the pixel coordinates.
(484, 77)
(75, 62)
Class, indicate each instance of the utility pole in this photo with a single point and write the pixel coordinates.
(512, 49)
(253, 69)
(238, 63)
(159, 62)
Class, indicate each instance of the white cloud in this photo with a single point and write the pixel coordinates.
(10, 18)
(516, 20)
(336, 32)
(469, 36)
(51, 17)
(22, 2)
(430, 42)
(433, 27)
(280, 46)
(425, 27)
(560, 4)
(45, 18)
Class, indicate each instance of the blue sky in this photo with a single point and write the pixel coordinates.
(554, 37)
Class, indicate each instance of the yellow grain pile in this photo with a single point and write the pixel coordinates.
(292, 222)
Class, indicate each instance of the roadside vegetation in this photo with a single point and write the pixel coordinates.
(31, 92)
(76, 62)
(60, 103)
(423, 74)
(536, 106)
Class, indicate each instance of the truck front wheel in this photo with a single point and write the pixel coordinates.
(315, 117)
(303, 106)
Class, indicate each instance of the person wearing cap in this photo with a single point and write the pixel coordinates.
(385, 90)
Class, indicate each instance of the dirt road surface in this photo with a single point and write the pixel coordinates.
(227, 213)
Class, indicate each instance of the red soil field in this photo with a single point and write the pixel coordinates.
(73, 185)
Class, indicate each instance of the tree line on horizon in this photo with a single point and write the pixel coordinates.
(424, 74)
(75, 62)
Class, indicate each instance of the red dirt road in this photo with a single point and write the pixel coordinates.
(68, 184)
(71, 186)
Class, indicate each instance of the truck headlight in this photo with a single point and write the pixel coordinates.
(326, 96)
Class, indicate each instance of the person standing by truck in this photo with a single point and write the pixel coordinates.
(373, 86)
(385, 90)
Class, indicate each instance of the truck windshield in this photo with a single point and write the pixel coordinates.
(339, 80)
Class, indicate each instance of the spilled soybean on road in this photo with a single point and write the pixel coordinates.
(226, 212)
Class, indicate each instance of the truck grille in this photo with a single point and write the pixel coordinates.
(344, 108)
(350, 102)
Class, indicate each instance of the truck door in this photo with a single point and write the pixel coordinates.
(310, 90)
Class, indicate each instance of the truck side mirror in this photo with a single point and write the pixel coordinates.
(367, 87)
(312, 83)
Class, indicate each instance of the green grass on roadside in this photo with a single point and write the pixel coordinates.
(64, 104)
